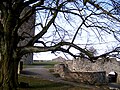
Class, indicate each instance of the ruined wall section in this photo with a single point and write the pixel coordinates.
(93, 78)
(27, 30)
(83, 65)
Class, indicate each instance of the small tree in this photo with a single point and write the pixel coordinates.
(92, 50)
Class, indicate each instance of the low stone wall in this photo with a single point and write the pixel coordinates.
(102, 64)
(88, 77)
(92, 78)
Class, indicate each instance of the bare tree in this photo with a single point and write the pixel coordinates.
(62, 21)
(92, 50)
(116, 7)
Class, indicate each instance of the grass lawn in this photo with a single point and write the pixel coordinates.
(46, 64)
(40, 84)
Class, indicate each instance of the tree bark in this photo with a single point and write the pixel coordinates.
(8, 42)
(9, 76)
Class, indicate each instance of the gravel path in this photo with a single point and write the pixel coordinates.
(41, 72)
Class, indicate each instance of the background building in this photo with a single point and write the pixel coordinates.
(27, 30)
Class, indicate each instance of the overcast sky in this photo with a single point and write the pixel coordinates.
(102, 43)
(101, 47)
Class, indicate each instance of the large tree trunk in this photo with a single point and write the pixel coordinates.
(9, 76)
(9, 64)
(8, 42)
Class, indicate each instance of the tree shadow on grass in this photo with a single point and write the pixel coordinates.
(50, 85)
(28, 73)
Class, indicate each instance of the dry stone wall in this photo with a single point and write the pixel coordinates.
(82, 65)
(93, 78)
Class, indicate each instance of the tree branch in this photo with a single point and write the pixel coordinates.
(45, 28)
(64, 11)
(27, 3)
(104, 11)
(57, 47)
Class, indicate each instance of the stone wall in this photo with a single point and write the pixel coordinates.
(83, 65)
(93, 78)
(27, 31)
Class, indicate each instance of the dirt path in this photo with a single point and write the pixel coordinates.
(41, 72)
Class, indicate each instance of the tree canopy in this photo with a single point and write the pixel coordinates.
(68, 19)
(62, 25)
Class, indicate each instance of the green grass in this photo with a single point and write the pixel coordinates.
(40, 84)
(46, 64)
